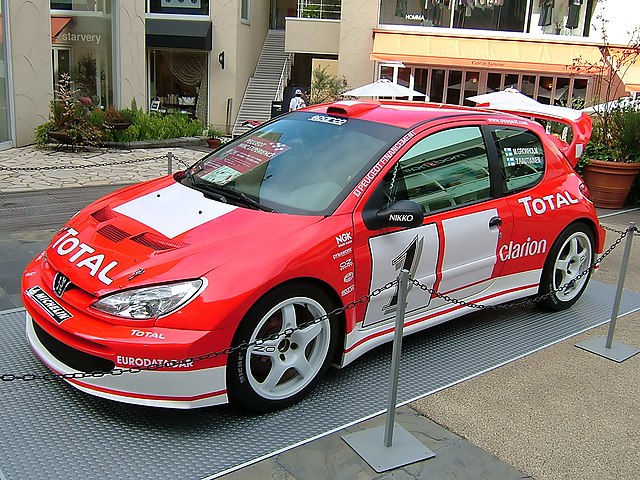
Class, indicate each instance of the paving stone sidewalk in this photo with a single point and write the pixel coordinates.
(31, 168)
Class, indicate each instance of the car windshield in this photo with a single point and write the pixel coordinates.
(303, 163)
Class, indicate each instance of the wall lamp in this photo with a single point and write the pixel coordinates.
(221, 59)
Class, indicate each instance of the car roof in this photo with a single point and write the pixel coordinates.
(398, 113)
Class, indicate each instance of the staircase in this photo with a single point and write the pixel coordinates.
(267, 83)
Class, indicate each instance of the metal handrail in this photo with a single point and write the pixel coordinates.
(284, 78)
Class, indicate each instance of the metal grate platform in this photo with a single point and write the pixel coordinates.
(50, 430)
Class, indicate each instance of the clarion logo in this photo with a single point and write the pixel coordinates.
(396, 217)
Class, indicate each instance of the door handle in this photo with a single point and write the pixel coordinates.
(495, 222)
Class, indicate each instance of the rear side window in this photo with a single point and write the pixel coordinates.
(521, 157)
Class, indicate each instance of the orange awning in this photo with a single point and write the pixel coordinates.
(630, 76)
(496, 53)
(57, 25)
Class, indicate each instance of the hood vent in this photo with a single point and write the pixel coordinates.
(156, 242)
(103, 214)
(113, 233)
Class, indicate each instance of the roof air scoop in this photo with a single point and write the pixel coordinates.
(351, 108)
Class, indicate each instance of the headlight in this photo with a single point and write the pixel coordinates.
(149, 302)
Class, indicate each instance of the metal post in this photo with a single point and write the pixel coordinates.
(375, 445)
(616, 351)
(403, 280)
(621, 278)
(169, 163)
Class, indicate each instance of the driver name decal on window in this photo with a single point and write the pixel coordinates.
(240, 159)
(522, 156)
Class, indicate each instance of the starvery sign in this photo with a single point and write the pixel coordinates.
(82, 256)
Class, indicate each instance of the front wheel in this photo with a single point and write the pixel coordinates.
(279, 372)
(567, 268)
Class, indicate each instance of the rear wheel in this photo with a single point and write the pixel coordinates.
(280, 372)
(570, 256)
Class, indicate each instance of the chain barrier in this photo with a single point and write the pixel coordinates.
(286, 333)
(80, 167)
(526, 302)
(636, 232)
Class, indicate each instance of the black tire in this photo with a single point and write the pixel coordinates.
(281, 372)
(570, 255)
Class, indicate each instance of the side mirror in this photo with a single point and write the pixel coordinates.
(402, 214)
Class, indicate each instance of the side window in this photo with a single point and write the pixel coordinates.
(521, 157)
(443, 170)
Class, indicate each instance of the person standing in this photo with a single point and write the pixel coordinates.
(297, 102)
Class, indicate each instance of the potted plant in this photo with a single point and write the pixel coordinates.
(69, 120)
(612, 157)
(610, 160)
(214, 137)
(115, 119)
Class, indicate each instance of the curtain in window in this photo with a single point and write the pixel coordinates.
(191, 69)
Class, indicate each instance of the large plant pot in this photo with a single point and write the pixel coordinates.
(609, 182)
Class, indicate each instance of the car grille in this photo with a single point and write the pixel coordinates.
(71, 357)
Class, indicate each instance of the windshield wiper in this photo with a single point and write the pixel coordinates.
(222, 194)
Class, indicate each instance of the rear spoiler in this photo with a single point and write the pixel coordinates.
(579, 122)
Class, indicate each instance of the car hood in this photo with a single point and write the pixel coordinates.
(161, 231)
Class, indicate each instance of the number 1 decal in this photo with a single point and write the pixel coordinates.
(415, 250)
(407, 260)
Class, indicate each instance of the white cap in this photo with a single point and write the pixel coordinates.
(298, 91)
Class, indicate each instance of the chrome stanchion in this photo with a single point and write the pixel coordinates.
(608, 348)
(376, 445)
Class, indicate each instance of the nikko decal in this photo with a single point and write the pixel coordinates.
(548, 202)
(464, 258)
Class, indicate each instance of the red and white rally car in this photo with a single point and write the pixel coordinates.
(299, 217)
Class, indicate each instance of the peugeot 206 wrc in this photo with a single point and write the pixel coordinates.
(295, 219)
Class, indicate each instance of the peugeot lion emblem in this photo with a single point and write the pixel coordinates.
(60, 284)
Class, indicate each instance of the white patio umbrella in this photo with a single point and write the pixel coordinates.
(624, 102)
(508, 95)
(383, 88)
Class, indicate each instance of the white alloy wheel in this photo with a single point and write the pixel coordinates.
(573, 259)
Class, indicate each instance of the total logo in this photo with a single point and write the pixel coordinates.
(145, 334)
(548, 202)
(79, 253)
(344, 239)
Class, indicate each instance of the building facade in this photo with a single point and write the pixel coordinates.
(196, 56)
(454, 49)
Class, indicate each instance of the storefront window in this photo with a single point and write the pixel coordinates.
(555, 17)
(82, 47)
(456, 86)
(178, 80)
(5, 133)
(179, 7)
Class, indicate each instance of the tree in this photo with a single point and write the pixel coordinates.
(326, 87)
